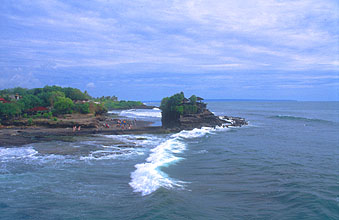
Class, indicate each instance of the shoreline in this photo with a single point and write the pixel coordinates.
(16, 136)
(19, 136)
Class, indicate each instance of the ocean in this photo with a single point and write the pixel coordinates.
(283, 165)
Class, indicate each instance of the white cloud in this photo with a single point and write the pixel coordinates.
(90, 85)
(190, 35)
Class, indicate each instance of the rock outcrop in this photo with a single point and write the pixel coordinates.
(205, 119)
(198, 120)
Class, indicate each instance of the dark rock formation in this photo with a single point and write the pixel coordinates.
(233, 121)
(198, 120)
(205, 119)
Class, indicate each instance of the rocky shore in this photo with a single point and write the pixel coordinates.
(44, 130)
(208, 119)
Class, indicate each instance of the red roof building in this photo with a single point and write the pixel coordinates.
(2, 100)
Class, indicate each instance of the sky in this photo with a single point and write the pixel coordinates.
(146, 49)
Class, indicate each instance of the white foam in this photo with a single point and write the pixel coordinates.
(16, 153)
(148, 176)
(194, 133)
(142, 140)
(141, 113)
(29, 155)
(109, 154)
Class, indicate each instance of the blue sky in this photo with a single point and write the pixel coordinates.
(146, 49)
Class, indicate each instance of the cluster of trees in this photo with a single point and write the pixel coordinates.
(110, 104)
(106, 98)
(176, 105)
(57, 99)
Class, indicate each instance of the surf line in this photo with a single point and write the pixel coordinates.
(148, 176)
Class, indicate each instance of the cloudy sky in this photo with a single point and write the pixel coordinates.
(147, 49)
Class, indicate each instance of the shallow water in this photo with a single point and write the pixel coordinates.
(284, 165)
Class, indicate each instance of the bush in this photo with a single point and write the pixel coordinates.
(63, 106)
(100, 109)
(47, 115)
(30, 101)
(30, 121)
(9, 110)
(82, 108)
(111, 104)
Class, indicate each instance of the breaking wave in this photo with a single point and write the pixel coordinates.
(141, 113)
(148, 176)
(7, 154)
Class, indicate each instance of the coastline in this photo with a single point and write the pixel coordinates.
(19, 136)
(64, 129)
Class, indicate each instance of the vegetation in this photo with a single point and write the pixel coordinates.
(51, 101)
(43, 102)
(63, 106)
(175, 106)
(110, 104)
(10, 110)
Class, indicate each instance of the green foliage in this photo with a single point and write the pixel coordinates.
(82, 108)
(57, 98)
(175, 106)
(190, 109)
(30, 101)
(75, 94)
(171, 107)
(179, 110)
(63, 106)
(25, 115)
(46, 115)
(30, 121)
(49, 98)
(13, 91)
(193, 99)
(55, 119)
(9, 110)
(110, 104)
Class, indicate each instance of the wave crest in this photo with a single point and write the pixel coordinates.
(148, 176)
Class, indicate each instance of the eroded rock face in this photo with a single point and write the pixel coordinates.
(204, 119)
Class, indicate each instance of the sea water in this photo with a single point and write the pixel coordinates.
(283, 165)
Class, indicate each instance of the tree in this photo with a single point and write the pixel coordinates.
(193, 99)
(74, 94)
(82, 108)
(63, 106)
(50, 97)
(172, 108)
(9, 110)
(30, 101)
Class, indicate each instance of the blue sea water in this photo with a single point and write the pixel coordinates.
(283, 165)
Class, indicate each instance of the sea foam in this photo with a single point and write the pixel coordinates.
(17, 153)
(148, 176)
(141, 113)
